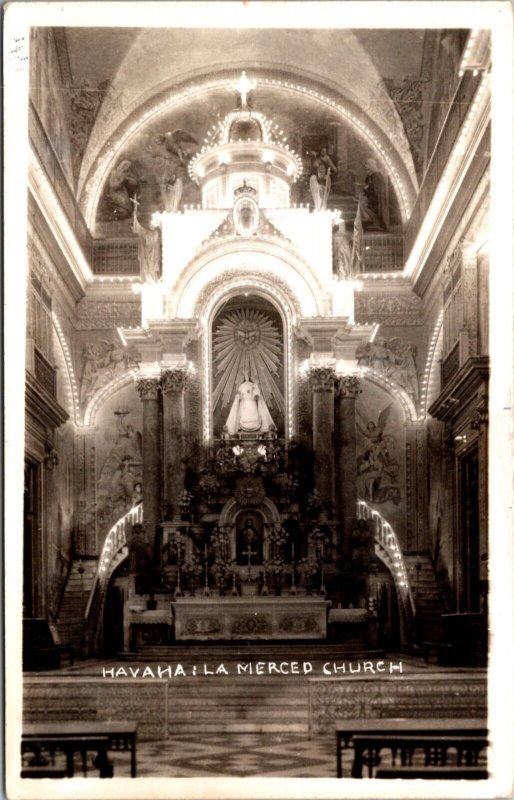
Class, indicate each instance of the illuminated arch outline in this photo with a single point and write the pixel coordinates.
(366, 128)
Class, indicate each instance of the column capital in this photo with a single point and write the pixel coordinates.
(148, 388)
(322, 378)
(348, 386)
(174, 380)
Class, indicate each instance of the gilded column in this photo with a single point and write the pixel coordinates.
(173, 382)
(347, 389)
(322, 379)
(149, 392)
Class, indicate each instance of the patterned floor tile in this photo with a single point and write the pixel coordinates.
(236, 755)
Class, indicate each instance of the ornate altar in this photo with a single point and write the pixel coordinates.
(214, 618)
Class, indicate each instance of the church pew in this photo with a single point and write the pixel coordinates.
(433, 773)
(347, 729)
(367, 750)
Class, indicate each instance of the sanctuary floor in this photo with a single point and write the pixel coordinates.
(233, 755)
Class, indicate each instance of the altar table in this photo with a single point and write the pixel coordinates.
(233, 618)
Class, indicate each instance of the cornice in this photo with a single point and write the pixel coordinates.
(57, 221)
(461, 390)
(42, 405)
(42, 236)
(458, 167)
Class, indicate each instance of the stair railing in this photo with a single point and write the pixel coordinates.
(389, 551)
(115, 543)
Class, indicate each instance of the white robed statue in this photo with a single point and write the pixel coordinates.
(249, 412)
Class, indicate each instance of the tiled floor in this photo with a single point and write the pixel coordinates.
(233, 755)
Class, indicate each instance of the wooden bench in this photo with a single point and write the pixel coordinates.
(367, 749)
(346, 729)
(433, 773)
(41, 646)
(119, 735)
(69, 745)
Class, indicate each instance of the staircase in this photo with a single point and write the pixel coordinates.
(70, 623)
(427, 597)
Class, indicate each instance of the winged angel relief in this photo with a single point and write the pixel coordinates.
(247, 355)
(378, 469)
(173, 151)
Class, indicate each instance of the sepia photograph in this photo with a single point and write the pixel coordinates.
(258, 395)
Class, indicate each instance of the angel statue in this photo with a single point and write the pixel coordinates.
(121, 186)
(249, 412)
(173, 151)
(320, 181)
(148, 249)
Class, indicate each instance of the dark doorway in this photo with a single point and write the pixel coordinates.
(470, 534)
(113, 617)
(31, 541)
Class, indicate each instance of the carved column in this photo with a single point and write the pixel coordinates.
(149, 391)
(347, 389)
(322, 381)
(173, 383)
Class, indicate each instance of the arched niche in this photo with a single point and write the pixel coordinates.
(284, 312)
(233, 518)
(248, 344)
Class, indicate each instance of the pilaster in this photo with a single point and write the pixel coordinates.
(347, 389)
(173, 384)
(322, 380)
(149, 392)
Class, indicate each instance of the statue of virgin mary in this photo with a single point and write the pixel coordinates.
(249, 412)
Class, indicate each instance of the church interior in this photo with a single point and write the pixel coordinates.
(256, 420)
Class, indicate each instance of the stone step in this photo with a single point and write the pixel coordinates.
(202, 728)
(241, 712)
(280, 703)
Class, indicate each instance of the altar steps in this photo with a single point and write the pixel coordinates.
(244, 702)
(217, 653)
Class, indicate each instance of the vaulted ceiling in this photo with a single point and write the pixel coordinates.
(332, 83)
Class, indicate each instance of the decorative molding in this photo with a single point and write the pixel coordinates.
(41, 405)
(223, 278)
(408, 97)
(104, 314)
(387, 309)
